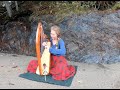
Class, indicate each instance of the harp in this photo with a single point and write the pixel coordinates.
(42, 53)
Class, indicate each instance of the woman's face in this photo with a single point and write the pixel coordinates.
(53, 34)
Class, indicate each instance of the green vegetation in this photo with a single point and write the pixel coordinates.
(116, 6)
(62, 9)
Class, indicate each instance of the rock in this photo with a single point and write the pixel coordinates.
(16, 37)
(89, 38)
(97, 34)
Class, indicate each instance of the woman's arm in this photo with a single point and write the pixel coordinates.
(59, 51)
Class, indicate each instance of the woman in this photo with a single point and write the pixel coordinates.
(60, 70)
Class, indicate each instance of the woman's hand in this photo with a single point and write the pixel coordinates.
(44, 43)
(46, 47)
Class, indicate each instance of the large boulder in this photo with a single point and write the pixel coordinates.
(91, 38)
(15, 38)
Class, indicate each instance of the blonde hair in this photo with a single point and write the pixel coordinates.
(56, 29)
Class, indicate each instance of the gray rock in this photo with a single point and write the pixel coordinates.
(89, 38)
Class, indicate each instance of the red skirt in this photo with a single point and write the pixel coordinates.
(32, 66)
(60, 70)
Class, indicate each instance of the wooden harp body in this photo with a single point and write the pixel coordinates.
(43, 54)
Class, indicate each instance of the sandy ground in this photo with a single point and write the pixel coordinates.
(88, 76)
